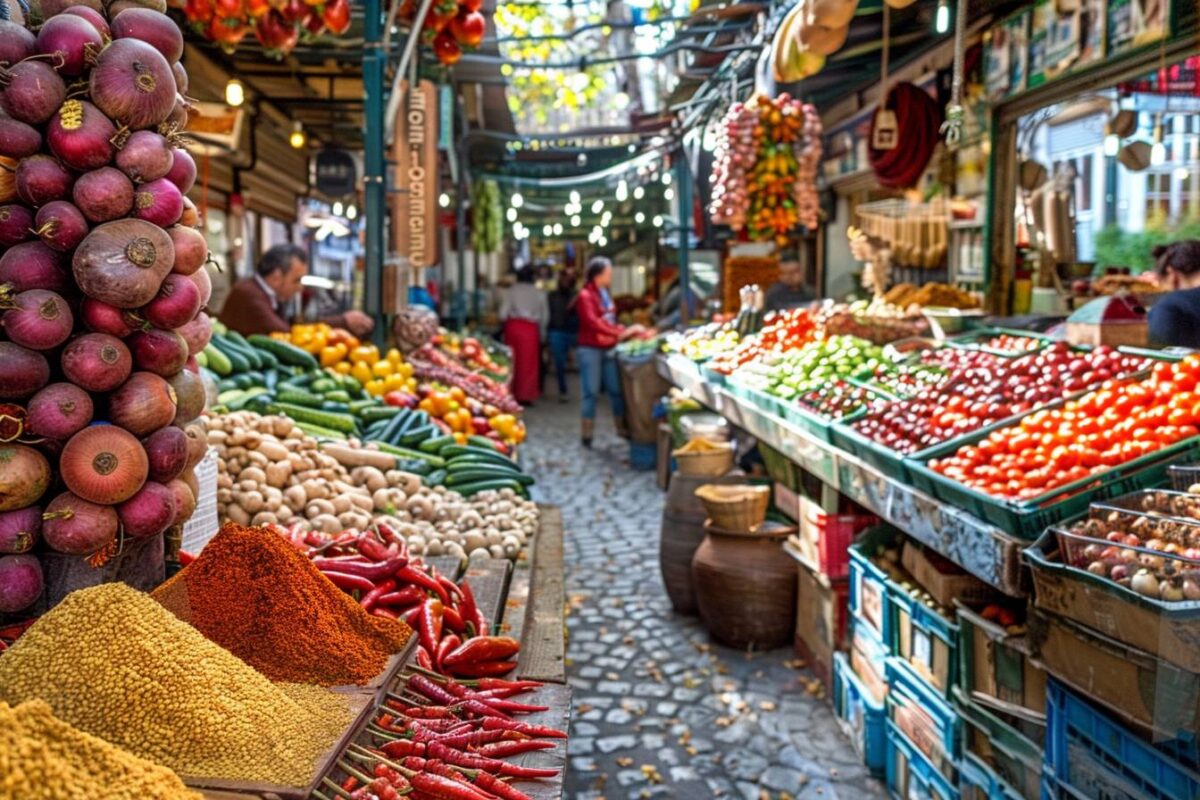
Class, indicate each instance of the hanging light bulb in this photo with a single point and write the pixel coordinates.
(1112, 145)
(558, 229)
(351, 211)
(1158, 150)
(337, 208)
(597, 206)
(575, 220)
(668, 194)
(517, 200)
(511, 215)
(658, 220)
(1182, 173)
(639, 218)
(622, 191)
(297, 139)
(574, 198)
(444, 200)
(235, 93)
(547, 229)
(666, 179)
(941, 20)
(639, 192)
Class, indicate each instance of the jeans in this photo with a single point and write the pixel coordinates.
(598, 370)
(561, 343)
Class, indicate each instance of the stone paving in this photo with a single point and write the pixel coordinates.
(660, 710)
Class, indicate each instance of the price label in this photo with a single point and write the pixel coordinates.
(922, 648)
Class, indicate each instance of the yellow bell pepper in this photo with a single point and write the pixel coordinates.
(374, 388)
(368, 353)
(504, 424)
(342, 367)
(332, 354)
(361, 372)
(395, 356)
(382, 368)
(394, 382)
(460, 437)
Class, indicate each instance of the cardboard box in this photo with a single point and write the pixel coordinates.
(998, 665)
(945, 581)
(821, 614)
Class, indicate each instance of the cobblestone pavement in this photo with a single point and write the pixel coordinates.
(661, 711)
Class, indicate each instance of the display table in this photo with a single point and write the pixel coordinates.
(982, 549)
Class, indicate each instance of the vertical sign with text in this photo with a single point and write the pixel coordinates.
(415, 153)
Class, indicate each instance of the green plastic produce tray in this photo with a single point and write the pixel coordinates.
(971, 341)
(1027, 519)
(844, 437)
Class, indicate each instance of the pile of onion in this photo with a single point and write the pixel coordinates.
(102, 286)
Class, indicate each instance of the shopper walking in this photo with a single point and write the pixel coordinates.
(524, 313)
(563, 327)
(598, 334)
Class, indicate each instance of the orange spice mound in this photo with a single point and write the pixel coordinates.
(255, 595)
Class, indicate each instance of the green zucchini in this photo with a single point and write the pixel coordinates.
(320, 432)
(388, 432)
(403, 452)
(247, 396)
(255, 358)
(436, 444)
(312, 416)
(465, 450)
(300, 397)
(337, 396)
(285, 352)
(218, 362)
(237, 362)
(463, 463)
(323, 385)
(358, 406)
(339, 407)
(461, 477)
(374, 413)
(261, 403)
(417, 435)
(476, 440)
(470, 489)
(414, 465)
(435, 478)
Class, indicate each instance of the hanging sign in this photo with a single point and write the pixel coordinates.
(336, 173)
(445, 116)
(414, 151)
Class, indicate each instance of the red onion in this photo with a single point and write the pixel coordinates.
(133, 84)
(42, 178)
(117, 6)
(21, 528)
(196, 333)
(24, 476)
(21, 582)
(177, 120)
(155, 29)
(191, 251)
(59, 411)
(189, 396)
(149, 512)
(18, 139)
(33, 91)
(15, 224)
(183, 170)
(71, 42)
(103, 464)
(145, 156)
(181, 77)
(96, 362)
(22, 372)
(159, 202)
(79, 134)
(93, 16)
(123, 262)
(51, 8)
(197, 446)
(37, 319)
(33, 265)
(158, 351)
(185, 500)
(192, 365)
(16, 42)
(101, 317)
(75, 526)
(103, 194)
(190, 217)
(176, 304)
(142, 404)
(167, 451)
(60, 225)
(202, 279)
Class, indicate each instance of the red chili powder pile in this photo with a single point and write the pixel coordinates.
(258, 597)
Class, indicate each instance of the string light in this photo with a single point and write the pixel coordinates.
(574, 198)
(941, 20)
(547, 230)
(337, 208)
(666, 179)
(517, 200)
(558, 229)
(444, 200)
(622, 191)
(668, 194)
(235, 93)
(297, 139)
(658, 220)
(352, 211)
(639, 192)
(1112, 145)
(575, 220)
(597, 206)
(639, 218)
(511, 215)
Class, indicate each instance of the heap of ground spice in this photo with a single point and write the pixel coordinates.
(254, 594)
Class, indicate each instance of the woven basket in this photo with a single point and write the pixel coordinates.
(705, 463)
(735, 508)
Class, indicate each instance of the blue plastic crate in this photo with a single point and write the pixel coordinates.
(929, 722)
(977, 781)
(910, 774)
(992, 741)
(868, 582)
(1086, 749)
(862, 718)
(868, 658)
(924, 639)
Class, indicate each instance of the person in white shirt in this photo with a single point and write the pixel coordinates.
(524, 313)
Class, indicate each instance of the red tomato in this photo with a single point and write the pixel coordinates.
(468, 28)
(446, 49)
(337, 16)
(198, 10)
(226, 34)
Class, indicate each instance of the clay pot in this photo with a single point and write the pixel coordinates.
(681, 533)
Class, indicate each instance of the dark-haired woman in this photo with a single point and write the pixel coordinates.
(598, 334)
(1175, 318)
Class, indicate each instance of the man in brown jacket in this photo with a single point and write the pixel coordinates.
(254, 303)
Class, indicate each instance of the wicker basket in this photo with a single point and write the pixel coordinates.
(705, 463)
(735, 508)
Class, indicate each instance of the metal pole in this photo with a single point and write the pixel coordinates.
(460, 222)
(375, 164)
(684, 179)
(410, 46)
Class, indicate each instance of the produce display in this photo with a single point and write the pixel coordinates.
(765, 168)
(260, 599)
(839, 399)
(114, 663)
(101, 288)
(430, 364)
(481, 355)
(277, 27)
(42, 756)
(781, 332)
(1051, 448)
(876, 321)
(797, 372)
(930, 295)
(703, 342)
(272, 472)
(906, 379)
(1006, 344)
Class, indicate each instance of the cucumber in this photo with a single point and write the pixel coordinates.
(485, 474)
(285, 352)
(388, 432)
(229, 395)
(254, 356)
(359, 406)
(374, 413)
(261, 403)
(334, 405)
(288, 394)
(436, 444)
(320, 432)
(351, 385)
(414, 465)
(435, 478)
(338, 396)
(323, 385)
(465, 450)
(237, 361)
(417, 435)
(312, 416)
(202, 358)
(402, 452)
(476, 440)
(464, 463)
(248, 395)
(218, 362)
(469, 489)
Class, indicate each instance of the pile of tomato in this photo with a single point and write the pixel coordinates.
(1049, 449)
(450, 26)
(277, 24)
(783, 331)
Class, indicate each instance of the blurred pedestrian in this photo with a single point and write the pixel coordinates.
(563, 327)
(524, 313)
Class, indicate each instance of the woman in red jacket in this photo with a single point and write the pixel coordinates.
(598, 335)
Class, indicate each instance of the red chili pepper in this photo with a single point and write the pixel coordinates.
(499, 684)
(386, 613)
(413, 616)
(402, 597)
(423, 658)
(374, 549)
(446, 645)
(487, 668)
(404, 747)
(444, 788)
(498, 787)
(538, 731)
(423, 712)
(483, 648)
(371, 598)
(450, 586)
(504, 749)
(350, 784)
(349, 582)
(391, 776)
(474, 738)
(372, 572)
(469, 608)
(410, 574)
(432, 690)
(431, 624)
(492, 765)
(453, 620)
